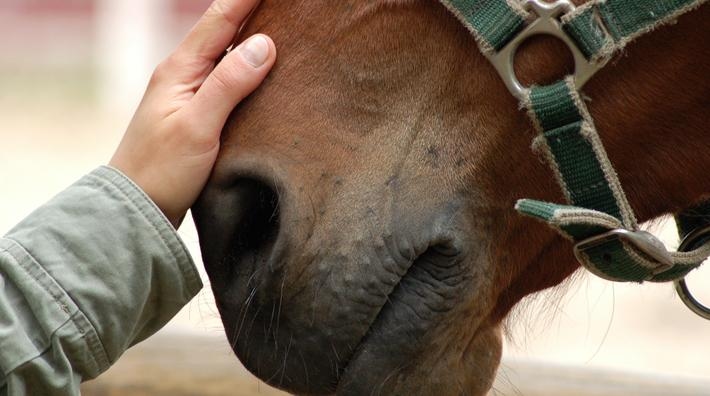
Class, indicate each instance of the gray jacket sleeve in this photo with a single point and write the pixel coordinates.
(83, 278)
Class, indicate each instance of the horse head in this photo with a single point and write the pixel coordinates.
(358, 229)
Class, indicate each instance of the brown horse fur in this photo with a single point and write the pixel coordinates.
(387, 136)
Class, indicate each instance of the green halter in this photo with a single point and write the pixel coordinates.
(598, 219)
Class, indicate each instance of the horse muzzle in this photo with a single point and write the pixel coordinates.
(314, 303)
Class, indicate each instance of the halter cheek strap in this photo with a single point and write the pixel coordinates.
(598, 217)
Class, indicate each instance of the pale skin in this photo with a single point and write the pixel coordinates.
(172, 142)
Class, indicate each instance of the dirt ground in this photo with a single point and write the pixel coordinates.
(185, 364)
(179, 365)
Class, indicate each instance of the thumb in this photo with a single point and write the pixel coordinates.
(233, 79)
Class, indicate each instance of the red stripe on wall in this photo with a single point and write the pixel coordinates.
(54, 6)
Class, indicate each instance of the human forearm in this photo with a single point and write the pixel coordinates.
(87, 275)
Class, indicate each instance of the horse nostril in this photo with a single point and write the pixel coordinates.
(259, 222)
(238, 225)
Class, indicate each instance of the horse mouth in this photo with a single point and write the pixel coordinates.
(320, 358)
(403, 327)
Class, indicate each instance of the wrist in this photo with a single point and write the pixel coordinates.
(151, 190)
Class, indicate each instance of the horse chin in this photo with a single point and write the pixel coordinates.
(416, 345)
(436, 371)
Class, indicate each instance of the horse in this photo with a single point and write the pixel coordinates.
(358, 229)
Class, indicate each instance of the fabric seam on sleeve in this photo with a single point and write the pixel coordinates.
(65, 303)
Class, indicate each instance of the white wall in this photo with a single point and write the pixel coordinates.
(132, 37)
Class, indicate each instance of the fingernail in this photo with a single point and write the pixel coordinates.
(255, 50)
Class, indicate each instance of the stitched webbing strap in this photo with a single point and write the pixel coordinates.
(572, 146)
(603, 27)
(577, 156)
(493, 22)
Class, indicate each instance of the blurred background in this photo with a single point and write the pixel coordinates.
(71, 74)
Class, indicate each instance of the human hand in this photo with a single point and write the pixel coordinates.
(171, 144)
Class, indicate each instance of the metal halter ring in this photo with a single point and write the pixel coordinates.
(546, 23)
(689, 243)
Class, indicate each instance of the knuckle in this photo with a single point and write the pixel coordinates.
(227, 77)
(222, 81)
(216, 8)
(220, 10)
(161, 72)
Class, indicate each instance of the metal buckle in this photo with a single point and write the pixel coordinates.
(689, 243)
(643, 241)
(545, 23)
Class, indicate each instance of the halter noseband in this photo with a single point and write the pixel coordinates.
(598, 218)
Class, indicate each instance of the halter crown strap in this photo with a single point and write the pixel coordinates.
(602, 28)
(598, 218)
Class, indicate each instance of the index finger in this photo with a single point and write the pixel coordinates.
(216, 30)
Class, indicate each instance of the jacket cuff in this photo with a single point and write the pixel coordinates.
(160, 223)
(102, 256)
